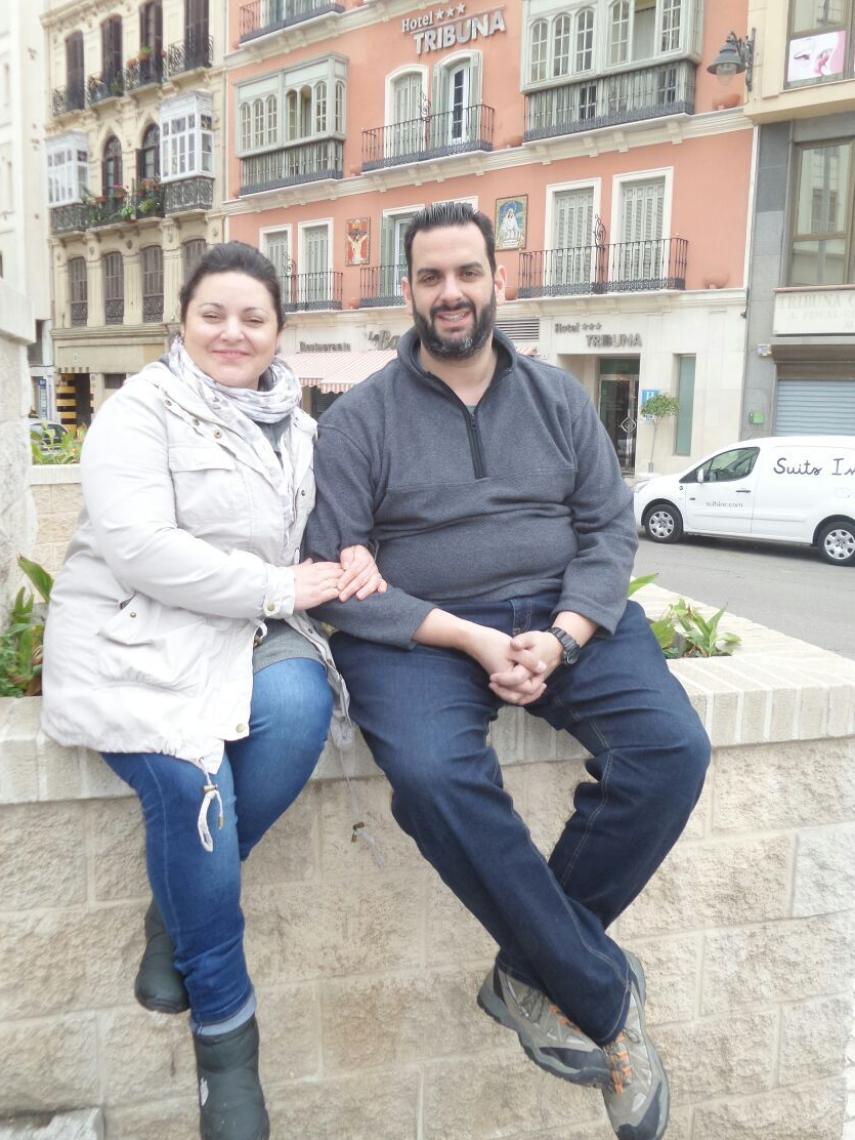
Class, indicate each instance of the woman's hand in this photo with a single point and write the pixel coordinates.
(315, 583)
(360, 575)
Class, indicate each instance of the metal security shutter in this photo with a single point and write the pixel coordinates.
(815, 407)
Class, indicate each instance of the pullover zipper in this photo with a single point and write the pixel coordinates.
(478, 464)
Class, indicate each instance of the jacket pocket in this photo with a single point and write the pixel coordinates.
(199, 457)
(209, 495)
(156, 646)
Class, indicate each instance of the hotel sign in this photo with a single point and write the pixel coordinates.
(815, 312)
(450, 27)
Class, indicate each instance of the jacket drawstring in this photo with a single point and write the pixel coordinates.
(210, 792)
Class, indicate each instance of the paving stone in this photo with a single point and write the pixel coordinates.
(84, 1124)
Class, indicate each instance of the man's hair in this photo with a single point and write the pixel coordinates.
(442, 214)
(234, 257)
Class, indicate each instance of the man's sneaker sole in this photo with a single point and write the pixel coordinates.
(590, 1077)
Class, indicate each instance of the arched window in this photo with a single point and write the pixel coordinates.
(258, 123)
(272, 109)
(245, 127)
(619, 32)
(292, 101)
(111, 168)
(339, 108)
(192, 252)
(320, 108)
(537, 51)
(561, 44)
(148, 156)
(584, 40)
(305, 125)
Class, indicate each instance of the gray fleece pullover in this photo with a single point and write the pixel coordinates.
(522, 496)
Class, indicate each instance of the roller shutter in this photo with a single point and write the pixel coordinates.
(815, 407)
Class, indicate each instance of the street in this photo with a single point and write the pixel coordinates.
(787, 588)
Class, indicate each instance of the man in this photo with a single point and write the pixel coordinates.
(504, 528)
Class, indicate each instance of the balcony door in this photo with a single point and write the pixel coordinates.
(639, 256)
(571, 262)
(314, 269)
(277, 248)
(455, 103)
(408, 116)
(196, 31)
(392, 257)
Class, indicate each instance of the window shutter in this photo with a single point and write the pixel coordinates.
(643, 210)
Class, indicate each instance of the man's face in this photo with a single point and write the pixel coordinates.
(452, 292)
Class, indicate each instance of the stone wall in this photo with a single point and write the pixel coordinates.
(58, 499)
(17, 521)
(367, 968)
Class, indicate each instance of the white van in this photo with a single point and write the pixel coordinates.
(795, 488)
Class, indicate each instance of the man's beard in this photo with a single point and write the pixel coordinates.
(460, 348)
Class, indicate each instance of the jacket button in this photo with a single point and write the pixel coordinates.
(168, 403)
(218, 434)
(240, 728)
(195, 423)
(132, 613)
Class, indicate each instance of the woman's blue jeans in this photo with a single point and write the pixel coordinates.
(425, 714)
(196, 891)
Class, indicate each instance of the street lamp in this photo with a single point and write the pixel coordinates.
(736, 56)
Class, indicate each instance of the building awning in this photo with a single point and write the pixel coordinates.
(337, 371)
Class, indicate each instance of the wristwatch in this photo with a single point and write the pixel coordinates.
(570, 648)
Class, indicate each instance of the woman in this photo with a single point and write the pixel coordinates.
(177, 644)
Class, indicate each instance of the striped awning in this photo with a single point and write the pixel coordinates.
(337, 371)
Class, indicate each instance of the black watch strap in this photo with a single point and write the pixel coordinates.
(570, 648)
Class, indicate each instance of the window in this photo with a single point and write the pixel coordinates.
(151, 28)
(320, 94)
(671, 25)
(148, 156)
(271, 110)
(315, 280)
(585, 40)
(67, 164)
(393, 260)
(78, 290)
(619, 32)
(111, 168)
(408, 115)
(111, 51)
(340, 110)
(152, 274)
(277, 248)
(730, 465)
(186, 137)
(822, 225)
(561, 44)
(192, 253)
(632, 29)
(821, 36)
(686, 398)
(74, 72)
(537, 56)
(114, 288)
(639, 256)
(245, 127)
(571, 261)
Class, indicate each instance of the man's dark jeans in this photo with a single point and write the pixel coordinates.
(425, 714)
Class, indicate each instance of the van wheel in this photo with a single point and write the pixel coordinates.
(663, 523)
(837, 543)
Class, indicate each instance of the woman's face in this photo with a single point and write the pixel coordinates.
(231, 330)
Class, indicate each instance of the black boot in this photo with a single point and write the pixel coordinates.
(159, 986)
(231, 1103)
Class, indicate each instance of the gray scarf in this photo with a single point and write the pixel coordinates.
(277, 395)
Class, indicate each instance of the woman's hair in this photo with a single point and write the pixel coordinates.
(234, 257)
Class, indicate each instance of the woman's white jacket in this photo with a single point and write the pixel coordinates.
(183, 547)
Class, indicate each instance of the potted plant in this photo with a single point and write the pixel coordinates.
(145, 53)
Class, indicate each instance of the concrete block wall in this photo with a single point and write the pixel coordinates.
(367, 968)
(58, 499)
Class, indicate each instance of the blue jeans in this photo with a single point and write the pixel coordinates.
(425, 713)
(197, 892)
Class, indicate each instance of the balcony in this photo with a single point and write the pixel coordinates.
(609, 100)
(79, 313)
(102, 87)
(143, 72)
(188, 194)
(265, 16)
(64, 99)
(433, 136)
(114, 311)
(291, 166)
(70, 219)
(152, 311)
(626, 267)
(113, 210)
(188, 54)
(307, 292)
(380, 286)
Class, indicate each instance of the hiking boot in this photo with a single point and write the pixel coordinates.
(549, 1038)
(637, 1099)
(159, 986)
(231, 1103)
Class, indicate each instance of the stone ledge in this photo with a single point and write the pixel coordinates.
(46, 473)
(85, 1124)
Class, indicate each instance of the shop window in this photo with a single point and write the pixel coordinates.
(820, 41)
(821, 235)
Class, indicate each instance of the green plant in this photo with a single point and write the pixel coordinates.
(66, 451)
(658, 407)
(683, 632)
(21, 643)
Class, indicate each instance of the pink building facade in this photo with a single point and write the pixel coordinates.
(616, 169)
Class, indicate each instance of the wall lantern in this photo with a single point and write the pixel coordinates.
(735, 57)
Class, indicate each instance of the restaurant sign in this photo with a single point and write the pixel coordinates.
(450, 27)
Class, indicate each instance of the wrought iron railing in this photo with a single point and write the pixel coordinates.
(114, 311)
(106, 86)
(152, 308)
(264, 16)
(289, 166)
(144, 201)
(79, 313)
(73, 218)
(187, 194)
(193, 51)
(608, 100)
(303, 292)
(625, 267)
(432, 136)
(380, 285)
(144, 71)
(71, 98)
